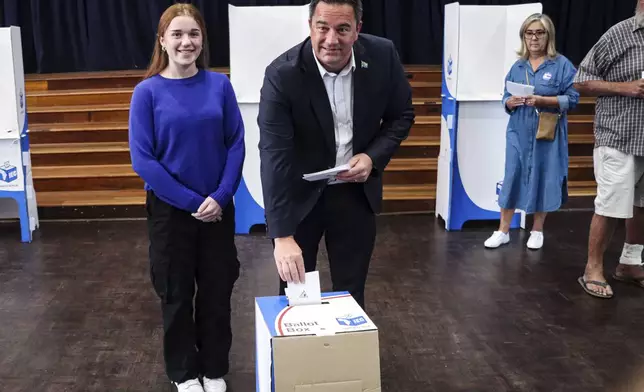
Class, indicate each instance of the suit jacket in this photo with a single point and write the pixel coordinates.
(297, 133)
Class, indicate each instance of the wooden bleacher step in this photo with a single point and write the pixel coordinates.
(425, 89)
(409, 192)
(79, 97)
(426, 126)
(411, 171)
(426, 107)
(93, 132)
(93, 153)
(581, 144)
(91, 198)
(419, 147)
(424, 73)
(89, 80)
(79, 113)
(79, 178)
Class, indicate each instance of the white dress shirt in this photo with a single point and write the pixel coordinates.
(339, 88)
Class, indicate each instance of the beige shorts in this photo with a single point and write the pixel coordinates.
(620, 182)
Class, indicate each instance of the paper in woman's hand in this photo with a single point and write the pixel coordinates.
(519, 90)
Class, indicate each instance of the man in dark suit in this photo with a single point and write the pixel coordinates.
(337, 98)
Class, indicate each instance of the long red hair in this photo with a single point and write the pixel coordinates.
(159, 59)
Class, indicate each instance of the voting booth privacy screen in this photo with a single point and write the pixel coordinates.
(481, 44)
(17, 196)
(252, 48)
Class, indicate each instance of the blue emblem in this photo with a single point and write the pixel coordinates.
(22, 100)
(351, 321)
(450, 63)
(8, 173)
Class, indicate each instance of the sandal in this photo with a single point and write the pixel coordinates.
(584, 284)
(639, 282)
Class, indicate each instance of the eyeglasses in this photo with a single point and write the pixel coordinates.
(531, 34)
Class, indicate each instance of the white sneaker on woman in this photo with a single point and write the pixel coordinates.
(536, 240)
(189, 386)
(214, 385)
(497, 239)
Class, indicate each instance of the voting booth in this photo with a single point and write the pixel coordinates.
(17, 196)
(252, 48)
(331, 346)
(481, 44)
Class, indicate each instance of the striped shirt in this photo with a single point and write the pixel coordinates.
(618, 56)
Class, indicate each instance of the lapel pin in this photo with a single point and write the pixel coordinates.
(364, 64)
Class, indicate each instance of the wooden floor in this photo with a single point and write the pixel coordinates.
(77, 312)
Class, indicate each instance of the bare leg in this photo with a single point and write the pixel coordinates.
(506, 219)
(630, 262)
(601, 231)
(539, 219)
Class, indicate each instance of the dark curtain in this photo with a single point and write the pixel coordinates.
(99, 35)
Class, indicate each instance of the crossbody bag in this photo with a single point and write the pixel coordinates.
(548, 121)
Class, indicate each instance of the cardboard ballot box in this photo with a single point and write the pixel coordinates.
(327, 347)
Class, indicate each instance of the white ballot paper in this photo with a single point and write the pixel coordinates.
(326, 174)
(307, 293)
(519, 90)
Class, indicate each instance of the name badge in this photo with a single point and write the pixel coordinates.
(547, 76)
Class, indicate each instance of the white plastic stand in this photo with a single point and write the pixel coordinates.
(481, 43)
(252, 48)
(17, 196)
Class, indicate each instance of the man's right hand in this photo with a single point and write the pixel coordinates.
(289, 260)
(634, 89)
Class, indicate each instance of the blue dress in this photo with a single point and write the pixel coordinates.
(536, 171)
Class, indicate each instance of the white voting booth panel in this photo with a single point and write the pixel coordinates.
(17, 196)
(252, 48)
(480, 47)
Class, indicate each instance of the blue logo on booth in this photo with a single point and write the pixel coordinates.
(499, 185)
(8, 173)
(351, 321)
(22, 100)
(450, 62)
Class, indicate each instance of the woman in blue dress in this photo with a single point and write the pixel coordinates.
(536, 171)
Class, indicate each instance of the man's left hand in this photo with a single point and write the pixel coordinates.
(361, 166)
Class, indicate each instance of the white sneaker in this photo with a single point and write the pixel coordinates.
(536, 240)
(497, 239)
(189, 386)
(214, 385)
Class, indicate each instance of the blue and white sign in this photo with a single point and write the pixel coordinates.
(17, 195)
(480, 47)
(349, 321)
(8, 173)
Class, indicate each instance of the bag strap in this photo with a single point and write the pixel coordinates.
(527, 80)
